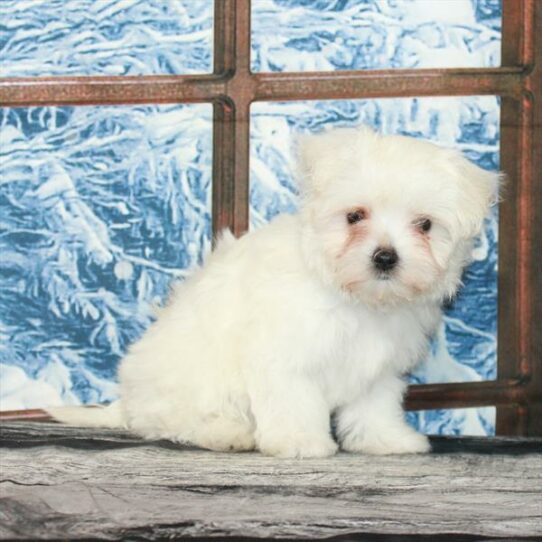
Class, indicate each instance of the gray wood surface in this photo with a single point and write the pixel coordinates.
(61, 482)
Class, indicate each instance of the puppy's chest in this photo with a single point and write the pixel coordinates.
(358, 349)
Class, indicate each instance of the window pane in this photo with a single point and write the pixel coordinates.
(102, 208)
(105, 37)
(457, 421)
(465, 348)
(326, 35)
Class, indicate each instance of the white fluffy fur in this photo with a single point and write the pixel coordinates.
(290, 324)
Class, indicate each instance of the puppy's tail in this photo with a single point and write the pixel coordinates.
(95, 416)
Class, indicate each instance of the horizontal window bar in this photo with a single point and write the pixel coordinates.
(465, 394)
(422, 397)
(507, 81)
(388, 83)
(35, 415)
(100, 90)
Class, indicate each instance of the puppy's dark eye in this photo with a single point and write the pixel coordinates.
(355, 216)
(424, 225)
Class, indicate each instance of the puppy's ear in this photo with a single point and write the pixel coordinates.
(319, 156)
(311, 154)
(478, 190)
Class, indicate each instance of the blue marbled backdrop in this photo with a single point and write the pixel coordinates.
(105, 37)
(102, 207)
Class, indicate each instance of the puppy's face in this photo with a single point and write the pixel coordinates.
(390, 219)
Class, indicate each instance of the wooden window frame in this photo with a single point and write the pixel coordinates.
(232, 87)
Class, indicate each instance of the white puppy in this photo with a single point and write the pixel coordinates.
(315, 314)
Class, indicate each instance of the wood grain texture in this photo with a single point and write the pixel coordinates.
(61, 482)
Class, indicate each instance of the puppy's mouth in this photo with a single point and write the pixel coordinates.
(386, 275)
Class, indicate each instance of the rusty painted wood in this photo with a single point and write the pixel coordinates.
(114, 90)
(224, 157)
(531, 231)
(123, 90)
(231, 133)
(388, 83)
(34, 414)
(231, 119)
(464, 394)
(419, 397)
(520, 287)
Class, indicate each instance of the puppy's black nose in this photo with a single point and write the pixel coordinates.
(385, 259)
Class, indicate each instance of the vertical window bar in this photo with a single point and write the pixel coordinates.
(514, 306)
(231, 121)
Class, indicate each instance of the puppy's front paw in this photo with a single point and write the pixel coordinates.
(404, 442)
(301, 445)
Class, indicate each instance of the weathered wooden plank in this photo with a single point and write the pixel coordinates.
(69, 483)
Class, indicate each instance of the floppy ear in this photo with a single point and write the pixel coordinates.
(312, 153)
(478, 190)
(307, 147)
(319, 155)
